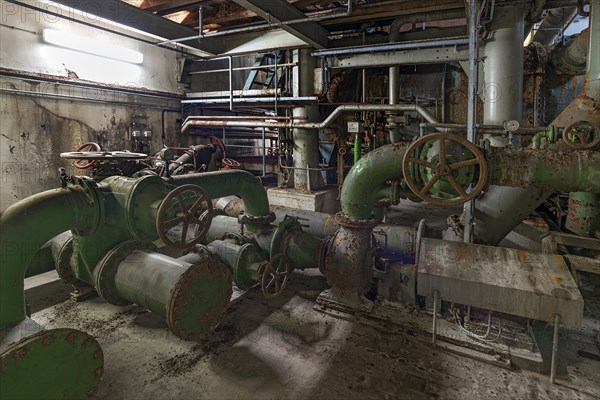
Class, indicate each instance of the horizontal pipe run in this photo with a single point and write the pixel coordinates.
(316, 125)
(242, 68)
(485, 128)
(231, 182)
(250, 100)
(392, 47)
(252, 28)
(556, 170)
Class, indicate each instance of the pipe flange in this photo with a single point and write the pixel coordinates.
(247, 255)
(63, 264)
(140, 215)
(106, 269)
(199, 300)
(346, 222)
(77, 376)
(323, 249)
(257, 219)
(277, 242)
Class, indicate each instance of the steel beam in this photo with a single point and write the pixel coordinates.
(419, 56)
(126, 14)
(310, 32)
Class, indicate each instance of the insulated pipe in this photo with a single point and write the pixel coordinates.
(500, 209)
(503, 67)
(27, 225)
(366, 182)
(550, 169)
(555, 21)
(315, 125)
(230, 182)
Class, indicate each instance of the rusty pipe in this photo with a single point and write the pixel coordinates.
(313, 125)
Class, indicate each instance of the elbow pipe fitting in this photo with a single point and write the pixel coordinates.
(231, 182)
(367, 181)
(27, 225)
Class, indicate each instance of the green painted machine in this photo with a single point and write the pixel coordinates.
(116, 224)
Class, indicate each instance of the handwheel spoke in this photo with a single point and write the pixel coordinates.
(442, 151)
(268, 285)
(173, 222)
(181, 202)
(422, 162)
(197, 204)
(430, 184)
(456, 185)
(184, 232)
(464, 163)
(277, 285)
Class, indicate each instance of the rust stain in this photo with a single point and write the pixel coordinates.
(521, 256)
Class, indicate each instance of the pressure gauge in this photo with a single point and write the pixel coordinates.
(167, 154)
(511, 125)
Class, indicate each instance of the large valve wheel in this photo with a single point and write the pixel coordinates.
(102, 156)
(184, 216)
(229, 163)
(84, 164)
(581, 135)
(274, 277)
(217, 142)
(449, 174)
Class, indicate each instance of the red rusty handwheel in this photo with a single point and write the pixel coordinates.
(217, 142)
(84, 164)
(184, 205)
(228, 162)
(443, 169)
(274, 277)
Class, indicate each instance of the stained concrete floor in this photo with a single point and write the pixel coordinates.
(289, 349)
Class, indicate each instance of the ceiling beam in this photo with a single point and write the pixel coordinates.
(126, 14)
(171, 7)
(310, 32)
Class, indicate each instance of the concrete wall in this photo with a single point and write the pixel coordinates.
(39, 120)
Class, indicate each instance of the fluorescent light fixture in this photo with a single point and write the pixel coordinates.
(92, 46)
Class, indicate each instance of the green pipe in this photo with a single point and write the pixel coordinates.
(44, 259)
(556, 170)
(357, 147)
(302, 250)
(192, 297)
(583, 217)
(364, 184)
(24, 227)
(225, 183)
(550, 134)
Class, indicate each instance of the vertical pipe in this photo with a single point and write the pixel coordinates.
(264, 153)
(554, 348)
(500, 209)
(230, 59)
(583, 217)
(224, 142)
(357, 147)
(394, 76)
(503, 69)
(473, 11)
(306, 145)
(434, 329)
(593, 69)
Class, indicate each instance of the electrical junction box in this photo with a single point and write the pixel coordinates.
(355, 127)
